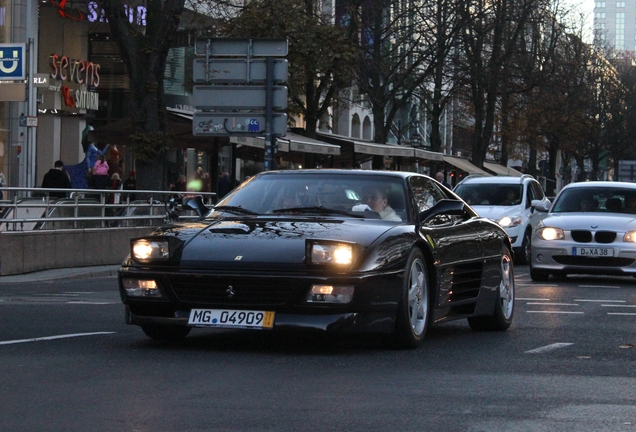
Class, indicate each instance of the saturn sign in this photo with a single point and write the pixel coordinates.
(12, 61)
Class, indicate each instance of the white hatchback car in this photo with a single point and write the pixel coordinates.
(510, 201)
(590, 229)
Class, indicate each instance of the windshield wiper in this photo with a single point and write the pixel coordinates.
(235, 209)
(316, 209)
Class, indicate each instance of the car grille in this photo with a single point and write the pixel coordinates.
(593, 262)
(258, 292)
(581, 236)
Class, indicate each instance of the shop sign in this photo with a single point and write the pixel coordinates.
(78, 71)
(80, 99)
(136, 14)
(73, 14)
(12, 61)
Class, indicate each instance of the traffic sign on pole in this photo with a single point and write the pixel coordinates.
(227, 47)
(227, 97)
(232, 70)
(234, 124)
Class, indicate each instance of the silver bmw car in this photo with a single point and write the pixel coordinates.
(590, 229)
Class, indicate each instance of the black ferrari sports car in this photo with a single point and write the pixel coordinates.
(327, 250)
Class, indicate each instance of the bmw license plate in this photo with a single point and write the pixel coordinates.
(222, 318)
(594, 252)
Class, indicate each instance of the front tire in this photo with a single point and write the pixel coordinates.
(167, 333)
(501, 318)
(412, 317)
(538, 275)
(524, 253)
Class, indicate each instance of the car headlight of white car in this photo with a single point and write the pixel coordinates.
(154, 249)
(509, 221)
(630, 236)
(550, 233)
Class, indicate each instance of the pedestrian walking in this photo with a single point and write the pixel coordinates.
(57, 178)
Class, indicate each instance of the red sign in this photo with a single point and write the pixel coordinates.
(78, 71)
(73, 14)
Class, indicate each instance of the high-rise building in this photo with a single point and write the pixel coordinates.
(615, 24)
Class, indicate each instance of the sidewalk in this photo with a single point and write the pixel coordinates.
(64, 273)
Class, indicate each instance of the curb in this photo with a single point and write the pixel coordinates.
(62, 274)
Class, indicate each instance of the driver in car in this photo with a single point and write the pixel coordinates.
(377, 200)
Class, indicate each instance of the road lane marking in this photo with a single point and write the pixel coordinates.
(90, 302)
(532, 299)
(599, 286)
(550, 347)
(553, 304)
(615, 305)
(47, 338)
(555, 312)
(600, 301)
(621, 313)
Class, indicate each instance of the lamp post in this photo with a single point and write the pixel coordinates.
(416, 140)
(497, 156)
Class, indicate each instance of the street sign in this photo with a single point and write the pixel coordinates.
(13, 61)
(220, 97)
(244, 124)
(241, 47)
(231, 70)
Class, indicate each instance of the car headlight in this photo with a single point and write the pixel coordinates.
(549, 233)
(334, 253)
(509, 221)
(330, 294)
(141, 288)
(154, 249)
(630, 236)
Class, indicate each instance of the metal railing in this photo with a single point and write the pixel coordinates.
(35, 209)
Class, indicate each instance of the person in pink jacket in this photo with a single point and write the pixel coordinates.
(101, 178)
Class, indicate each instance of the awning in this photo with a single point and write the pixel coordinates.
(502, 170)
(259, 142)
(290, 143)
(303, 144)
(382, 149)
(464, 165)
(376, 149)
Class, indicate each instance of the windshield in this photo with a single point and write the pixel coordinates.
(490, 194)
(596, 199)
(321, 193)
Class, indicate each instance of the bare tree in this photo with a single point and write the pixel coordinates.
(490, 41)
(144, 51)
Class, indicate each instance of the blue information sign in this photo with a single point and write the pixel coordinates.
(12, 61)
(254, 125)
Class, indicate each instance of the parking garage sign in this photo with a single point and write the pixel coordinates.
(12, 61)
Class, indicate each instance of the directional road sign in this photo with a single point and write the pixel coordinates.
(226, 124)
(229, 97)
(232, 70)
(226, 47)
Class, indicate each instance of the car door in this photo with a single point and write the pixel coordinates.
(452, 238)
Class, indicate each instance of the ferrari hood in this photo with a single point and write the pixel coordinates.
(272, 242)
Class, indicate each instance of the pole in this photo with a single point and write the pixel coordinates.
(31, 112)
(270, 138)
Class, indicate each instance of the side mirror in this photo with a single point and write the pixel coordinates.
(443, 207)
(194, 203)
(540, 206)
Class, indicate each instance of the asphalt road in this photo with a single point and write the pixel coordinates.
(69, 363)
